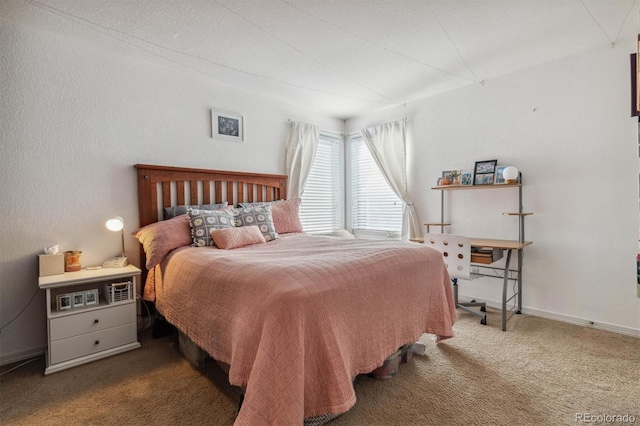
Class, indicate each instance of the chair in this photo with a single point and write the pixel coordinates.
(456, 251)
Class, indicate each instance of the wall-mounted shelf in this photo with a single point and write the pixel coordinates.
(475, 187)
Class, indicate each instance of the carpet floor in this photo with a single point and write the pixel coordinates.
(538, 372)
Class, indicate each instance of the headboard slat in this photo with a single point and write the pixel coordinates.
(180, 192)
(194, 192)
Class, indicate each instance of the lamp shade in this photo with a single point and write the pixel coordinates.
(510, 174)
(115, 224)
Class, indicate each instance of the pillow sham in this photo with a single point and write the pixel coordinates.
(159, 238)
(231, 238)
(257, 215)
(169, 212)
(203, 221)
(286, 214)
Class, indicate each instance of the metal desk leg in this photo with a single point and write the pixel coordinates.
(505, 285)
(519, 311)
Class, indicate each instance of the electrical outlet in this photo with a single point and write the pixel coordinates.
(475, 270)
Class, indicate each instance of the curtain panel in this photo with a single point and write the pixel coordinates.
(387, 143)
(302, 142)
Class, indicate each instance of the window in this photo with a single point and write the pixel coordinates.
(375, 209)
(322, 206)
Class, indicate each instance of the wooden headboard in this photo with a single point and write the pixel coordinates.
(164, 186)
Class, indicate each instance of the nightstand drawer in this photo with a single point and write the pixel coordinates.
(87, 344)
(92, 321)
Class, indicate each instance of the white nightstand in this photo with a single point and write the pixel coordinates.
(92, 331)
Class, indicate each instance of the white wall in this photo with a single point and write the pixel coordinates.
(74, 120)
(566, 126)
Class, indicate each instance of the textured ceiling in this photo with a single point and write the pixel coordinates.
(340, 58)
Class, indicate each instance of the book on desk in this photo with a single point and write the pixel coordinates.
(485, 255)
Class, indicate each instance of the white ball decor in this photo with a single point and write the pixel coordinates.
(510, 174)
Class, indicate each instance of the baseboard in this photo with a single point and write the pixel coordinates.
(627, 331)
(21, 355)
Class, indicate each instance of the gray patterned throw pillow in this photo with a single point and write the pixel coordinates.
(257, 215)
(203, 221)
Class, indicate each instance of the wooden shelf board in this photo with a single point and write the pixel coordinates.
(464, 187)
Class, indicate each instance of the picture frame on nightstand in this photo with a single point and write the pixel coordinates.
(63, 302)
(78, 299)
(91, 297)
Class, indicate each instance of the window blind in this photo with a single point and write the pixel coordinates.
(321, 207)
(374, 205)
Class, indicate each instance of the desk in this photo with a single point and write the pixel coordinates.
(510, 246)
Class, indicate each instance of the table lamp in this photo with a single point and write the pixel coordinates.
(116, 224)
(510, 174)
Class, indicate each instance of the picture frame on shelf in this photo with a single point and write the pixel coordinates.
(499, 179)
(78, 299)
(484, 172)
(445, 180)
(227, 126)
(91, 297)
(63, 302)
(466, 177)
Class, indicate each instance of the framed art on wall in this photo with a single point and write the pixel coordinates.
(227, 126)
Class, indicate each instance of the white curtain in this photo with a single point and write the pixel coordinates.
(387, 145)
(302, 143)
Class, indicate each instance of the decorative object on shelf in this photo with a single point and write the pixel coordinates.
(466, 177)
(78, 299)
(72, 261)
(64, 301)
(484, 172)
(499, 179)
(510, 174)
(447, 178)
(227, 126)
(116, 292)
(117, 224)
(455, 177)
(91, 297)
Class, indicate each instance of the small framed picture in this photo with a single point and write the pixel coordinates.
(78, 300)
(91, 297)
(447, 174)
(64, 301)
(499, 179)
(484, 172)
(466, 177)
(227, 126)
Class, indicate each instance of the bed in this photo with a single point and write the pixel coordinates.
(296, 318)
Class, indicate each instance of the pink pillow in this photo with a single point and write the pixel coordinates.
(159, 238)
(230, 238)
(286, 216)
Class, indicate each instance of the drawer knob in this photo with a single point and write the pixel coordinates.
(97, 342)
(96, 321)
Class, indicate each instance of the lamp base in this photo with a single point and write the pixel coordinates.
(511, 181)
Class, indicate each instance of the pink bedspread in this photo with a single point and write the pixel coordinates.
(298, 318)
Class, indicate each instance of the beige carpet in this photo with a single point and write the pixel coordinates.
(539, 372)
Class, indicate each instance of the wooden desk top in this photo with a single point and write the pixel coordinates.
(487, 242)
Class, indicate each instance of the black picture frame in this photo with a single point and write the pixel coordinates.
(484, 172)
